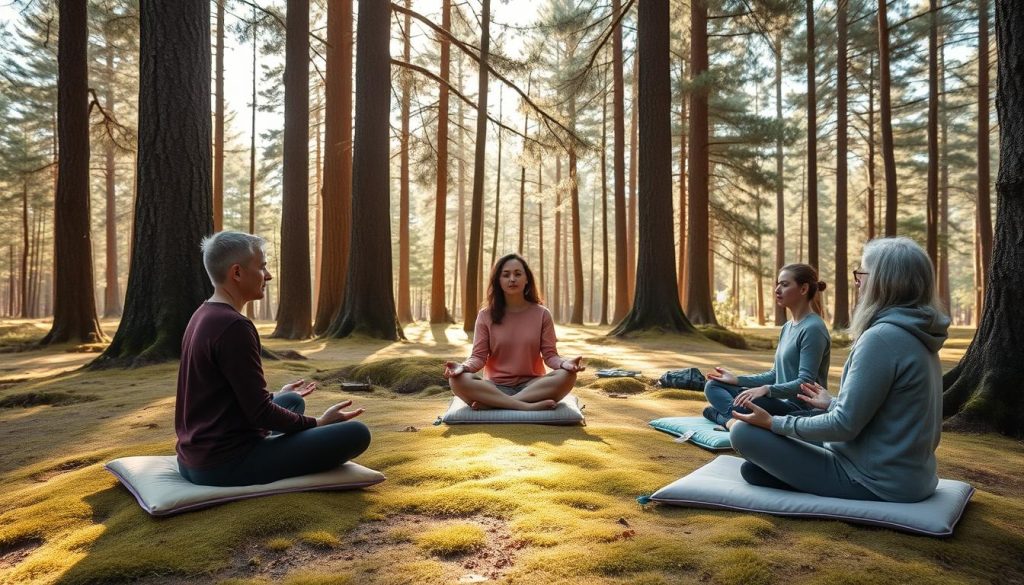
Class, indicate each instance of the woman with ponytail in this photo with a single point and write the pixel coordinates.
(802, 356)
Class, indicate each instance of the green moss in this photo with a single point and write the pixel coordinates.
(279, 544)
(28, 399)
(401, 375)
(619, 385)
(742, 567)
(452, 540)
(320, 539)
(722, 335)
(678, 394)
(312, 578)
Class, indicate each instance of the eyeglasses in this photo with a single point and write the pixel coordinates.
(857, 274)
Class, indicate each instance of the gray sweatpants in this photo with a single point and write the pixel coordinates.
(791, 464)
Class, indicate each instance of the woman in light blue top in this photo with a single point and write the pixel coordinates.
(802, 356)
(877, 439)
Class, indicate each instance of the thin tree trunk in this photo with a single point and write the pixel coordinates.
(497, 190)
(249, 310)
(984, 209)
(337, 191)
(522, 174)
(111, 290)
(842, 302)
(577, 246)
(681, 275)
(556, 277)
(632, 218)
(780, 198)
(438, 311)
(943, 272)
(604, 205)
(932, 207)
(476, 224)
(74, 315)
(167, 280)
(698, 305)
(622, 303)
(369, 304)
(404, 310)
(318, 220)
(656, 304)
(294, 313)
(885, 88)
(871, 152)
(812, 143)
(218, 124)
(542, 278)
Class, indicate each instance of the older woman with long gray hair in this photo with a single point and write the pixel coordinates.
(877, 439)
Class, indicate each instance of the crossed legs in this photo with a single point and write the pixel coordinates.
(541, 394)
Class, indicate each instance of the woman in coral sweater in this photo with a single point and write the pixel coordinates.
(513, 340)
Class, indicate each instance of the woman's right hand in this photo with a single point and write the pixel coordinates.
(815, 395)
(452, 369)
(723, 375)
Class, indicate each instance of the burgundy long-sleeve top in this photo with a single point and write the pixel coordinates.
(516, 350)
(223, 408)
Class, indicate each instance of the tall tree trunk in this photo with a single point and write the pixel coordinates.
(497, 191)
(604, 205)
(404, 310)
(542, 277)
(460, 239)
(337, 191)
(167, 280)
(681, 266)
(111, 290)
(812, 143)
(619, 171)
(476, 222)
(557, 273)
(984, 209)
(780, 195)
(632, 217)
(871, 151)
(932, 207)
(23, 285)
(577, 248)
(759, 268)
(841, 314)
(885, 89)
(656, 304)
(369, 304)
(250, 312)
(522, 174)
(218, 124)
(698, 305)
(982, 391)
(943, 272)
(294, 313)
(74, 316)
(438, 311)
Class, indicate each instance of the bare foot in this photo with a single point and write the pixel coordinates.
(479, 406)
(729, 423)
(542, 405)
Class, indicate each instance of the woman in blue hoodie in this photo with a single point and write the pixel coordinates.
(877, 439)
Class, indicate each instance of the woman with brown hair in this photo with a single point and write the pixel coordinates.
(802, 356)
(513, 340)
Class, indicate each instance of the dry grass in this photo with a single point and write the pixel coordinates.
(516, 504)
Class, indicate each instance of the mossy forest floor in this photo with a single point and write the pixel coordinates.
(513, 504)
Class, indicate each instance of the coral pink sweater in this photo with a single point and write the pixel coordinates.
(511, 353)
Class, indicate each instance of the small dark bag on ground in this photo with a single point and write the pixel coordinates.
(687, 379)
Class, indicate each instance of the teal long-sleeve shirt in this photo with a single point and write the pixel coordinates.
(802, 357)
(886, 422)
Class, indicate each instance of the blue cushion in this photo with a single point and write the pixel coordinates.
(719, 485)
(694, 429)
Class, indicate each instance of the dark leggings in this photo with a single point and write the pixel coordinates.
(280, 456)
(791, 464)
(721, 395)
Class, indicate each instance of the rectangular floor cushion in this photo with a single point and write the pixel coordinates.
(568, 412)
(162, 491)
(694, 429)
(719, 485)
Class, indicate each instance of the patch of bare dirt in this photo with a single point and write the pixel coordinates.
(12, 554)
(391, 538)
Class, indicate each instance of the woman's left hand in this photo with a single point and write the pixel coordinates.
(758, 417)
(747, 396)
(574, 365)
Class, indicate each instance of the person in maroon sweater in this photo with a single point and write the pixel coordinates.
(231, 430)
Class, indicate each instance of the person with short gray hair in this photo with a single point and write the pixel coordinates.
(231, 430)
(877, 439)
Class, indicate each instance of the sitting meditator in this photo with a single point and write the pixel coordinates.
(231, 430)
(877, 439)
(513, 339)
(802, 355)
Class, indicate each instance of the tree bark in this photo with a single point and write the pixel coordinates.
(497, 191)
(656, 304)
(619, 169)
(604, 205)
(404, 309)
(74, 316)
(112, 289)
(337, 191)
(167, 281)
(841, 315)
(522, 175)
(681, 266)
(476, 222)
(885, 89)
(780, 195)
(577, 248)
(932, 207)
(369, 304)
(698, 305)
(218, 124)
(438, 311)
(812, 143)
(982, 391)
(943, 271)
(294, 312)
(557, 274)
(984, 209)
(250, 311)
(632, 213)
